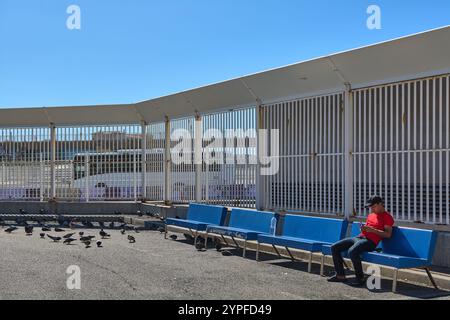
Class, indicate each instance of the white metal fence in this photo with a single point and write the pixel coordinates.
(310, 178)
(400, 150)
(24, 163)
(231, 180)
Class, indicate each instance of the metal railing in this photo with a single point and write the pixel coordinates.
(335, 151)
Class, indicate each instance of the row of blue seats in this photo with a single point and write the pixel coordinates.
(407, 248)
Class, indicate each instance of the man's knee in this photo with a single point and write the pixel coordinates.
(354, 253)
(336, 248)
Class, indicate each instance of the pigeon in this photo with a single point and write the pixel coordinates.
(173, 237)
(59, 230)
(99, 244)
(161, 229)
(69, 235)
(131, 239)
(68, 241)
(29, 230)
(136, 230)
(122, 231)
(111, 225)
(11, 229)
(200, 246)
(226, 253)
(21, 211)
(46, 229)
(103, 234)
(87, 238)
(139, 213)
(42, 235)
(87, 244)
(81, 233)
(55, 239)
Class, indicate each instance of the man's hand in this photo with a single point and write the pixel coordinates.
(387, 233)
(368, 229)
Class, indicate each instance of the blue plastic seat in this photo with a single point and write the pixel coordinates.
(306, 233)
(244, 224)
(199, 217)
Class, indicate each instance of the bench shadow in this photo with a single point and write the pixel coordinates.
(403, 288)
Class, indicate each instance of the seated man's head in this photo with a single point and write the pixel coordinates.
(376, 204)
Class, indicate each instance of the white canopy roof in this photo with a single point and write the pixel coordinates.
(420, 55)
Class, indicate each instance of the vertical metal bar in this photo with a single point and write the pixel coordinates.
(447, 106)
(167, 164)
(198, 158)
(414, 131)
(348, 151)
(52, 161)
(143, 163)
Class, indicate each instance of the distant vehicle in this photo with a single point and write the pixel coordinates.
(117, 175)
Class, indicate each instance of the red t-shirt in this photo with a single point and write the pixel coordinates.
(377, 221)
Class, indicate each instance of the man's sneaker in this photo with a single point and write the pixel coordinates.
(335, 278)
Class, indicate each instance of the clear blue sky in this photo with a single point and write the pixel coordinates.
(132, 50)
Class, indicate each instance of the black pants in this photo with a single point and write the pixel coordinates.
(355, 247)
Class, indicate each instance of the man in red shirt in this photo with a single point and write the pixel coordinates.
(378, 226)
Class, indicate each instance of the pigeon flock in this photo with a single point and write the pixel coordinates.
(69, 238)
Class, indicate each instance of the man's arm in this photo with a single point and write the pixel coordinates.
(386, 234)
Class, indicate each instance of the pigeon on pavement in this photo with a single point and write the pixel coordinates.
(131, 239)
(87, 238)
(68, 241)
(103, 234)
(173, 237)
(29, 230)
(11, 229)
(55, 239)
(87, 244)
(69, 235)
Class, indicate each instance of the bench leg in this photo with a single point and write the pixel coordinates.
(310, 262)
(235, 243)
(394, 282)
(165, 231)
(206, 241)
(276, 250)
(257, 251)
(195, 239)
(224, 240)
(290, 254)
(431, 278)
(322, 264)
(245, 248)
